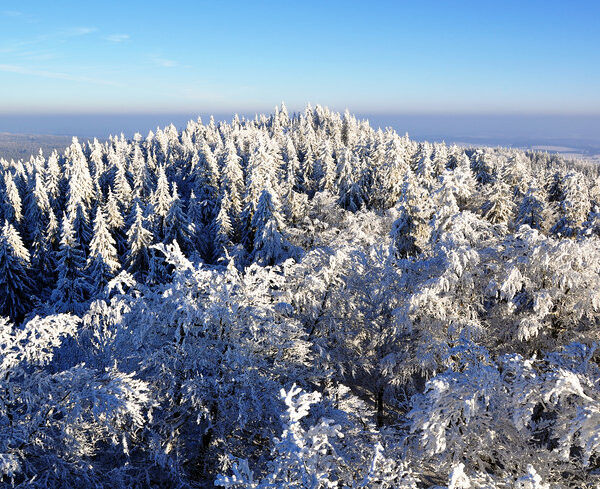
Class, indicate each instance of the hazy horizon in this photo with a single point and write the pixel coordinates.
(581, 132)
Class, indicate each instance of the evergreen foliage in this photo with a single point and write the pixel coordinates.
(298, 301)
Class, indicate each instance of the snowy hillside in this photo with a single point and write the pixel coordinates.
(298, 301)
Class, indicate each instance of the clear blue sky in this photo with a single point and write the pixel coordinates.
(398, 56)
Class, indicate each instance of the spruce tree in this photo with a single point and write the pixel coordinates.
(53, 177)
(499, 207)
(161, 202)
(532, 210)
(13, 207)
(270, 245)
(122, 189)
(178, 226)
(232, 180)
(103, 260)
(222, 230)
(15, 284)
(72, 288)
(139, 240)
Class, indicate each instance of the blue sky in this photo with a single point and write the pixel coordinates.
(372, 57)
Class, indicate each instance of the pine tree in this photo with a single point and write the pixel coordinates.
(327, 164)
(140, 170)
(13, 238)
(483, 167)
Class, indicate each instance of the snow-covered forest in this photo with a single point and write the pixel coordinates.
(298, 301)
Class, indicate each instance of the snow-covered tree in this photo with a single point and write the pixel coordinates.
(103, 260)
(72, 287)
(15, 284)
(139, 239)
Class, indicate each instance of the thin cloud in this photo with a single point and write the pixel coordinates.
(22, 70)
(165, 63)
(79, 31)
(12, 13)
(16, 46)
(117, 37)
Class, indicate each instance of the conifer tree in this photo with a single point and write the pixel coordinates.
(178, 226)
(222, 229)
(232, 180)
(499, 207)
(12, 205)
(327, 164)
(122, 189)
(13, 238)
(139, 240)
(140, 169)
(483, 168)
(411, 231)
(206, 173)
(53, 177)
(15, 284)
(575, 204)
(532, 210)
(270, 245)
(81, 185)
(37, 216)
(351, 195)
(161, 202)
(72, 289)
(80, 223)
(103, 260)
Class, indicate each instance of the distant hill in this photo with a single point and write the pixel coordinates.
(21, 146)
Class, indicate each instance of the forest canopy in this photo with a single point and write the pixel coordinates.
(298, 301)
